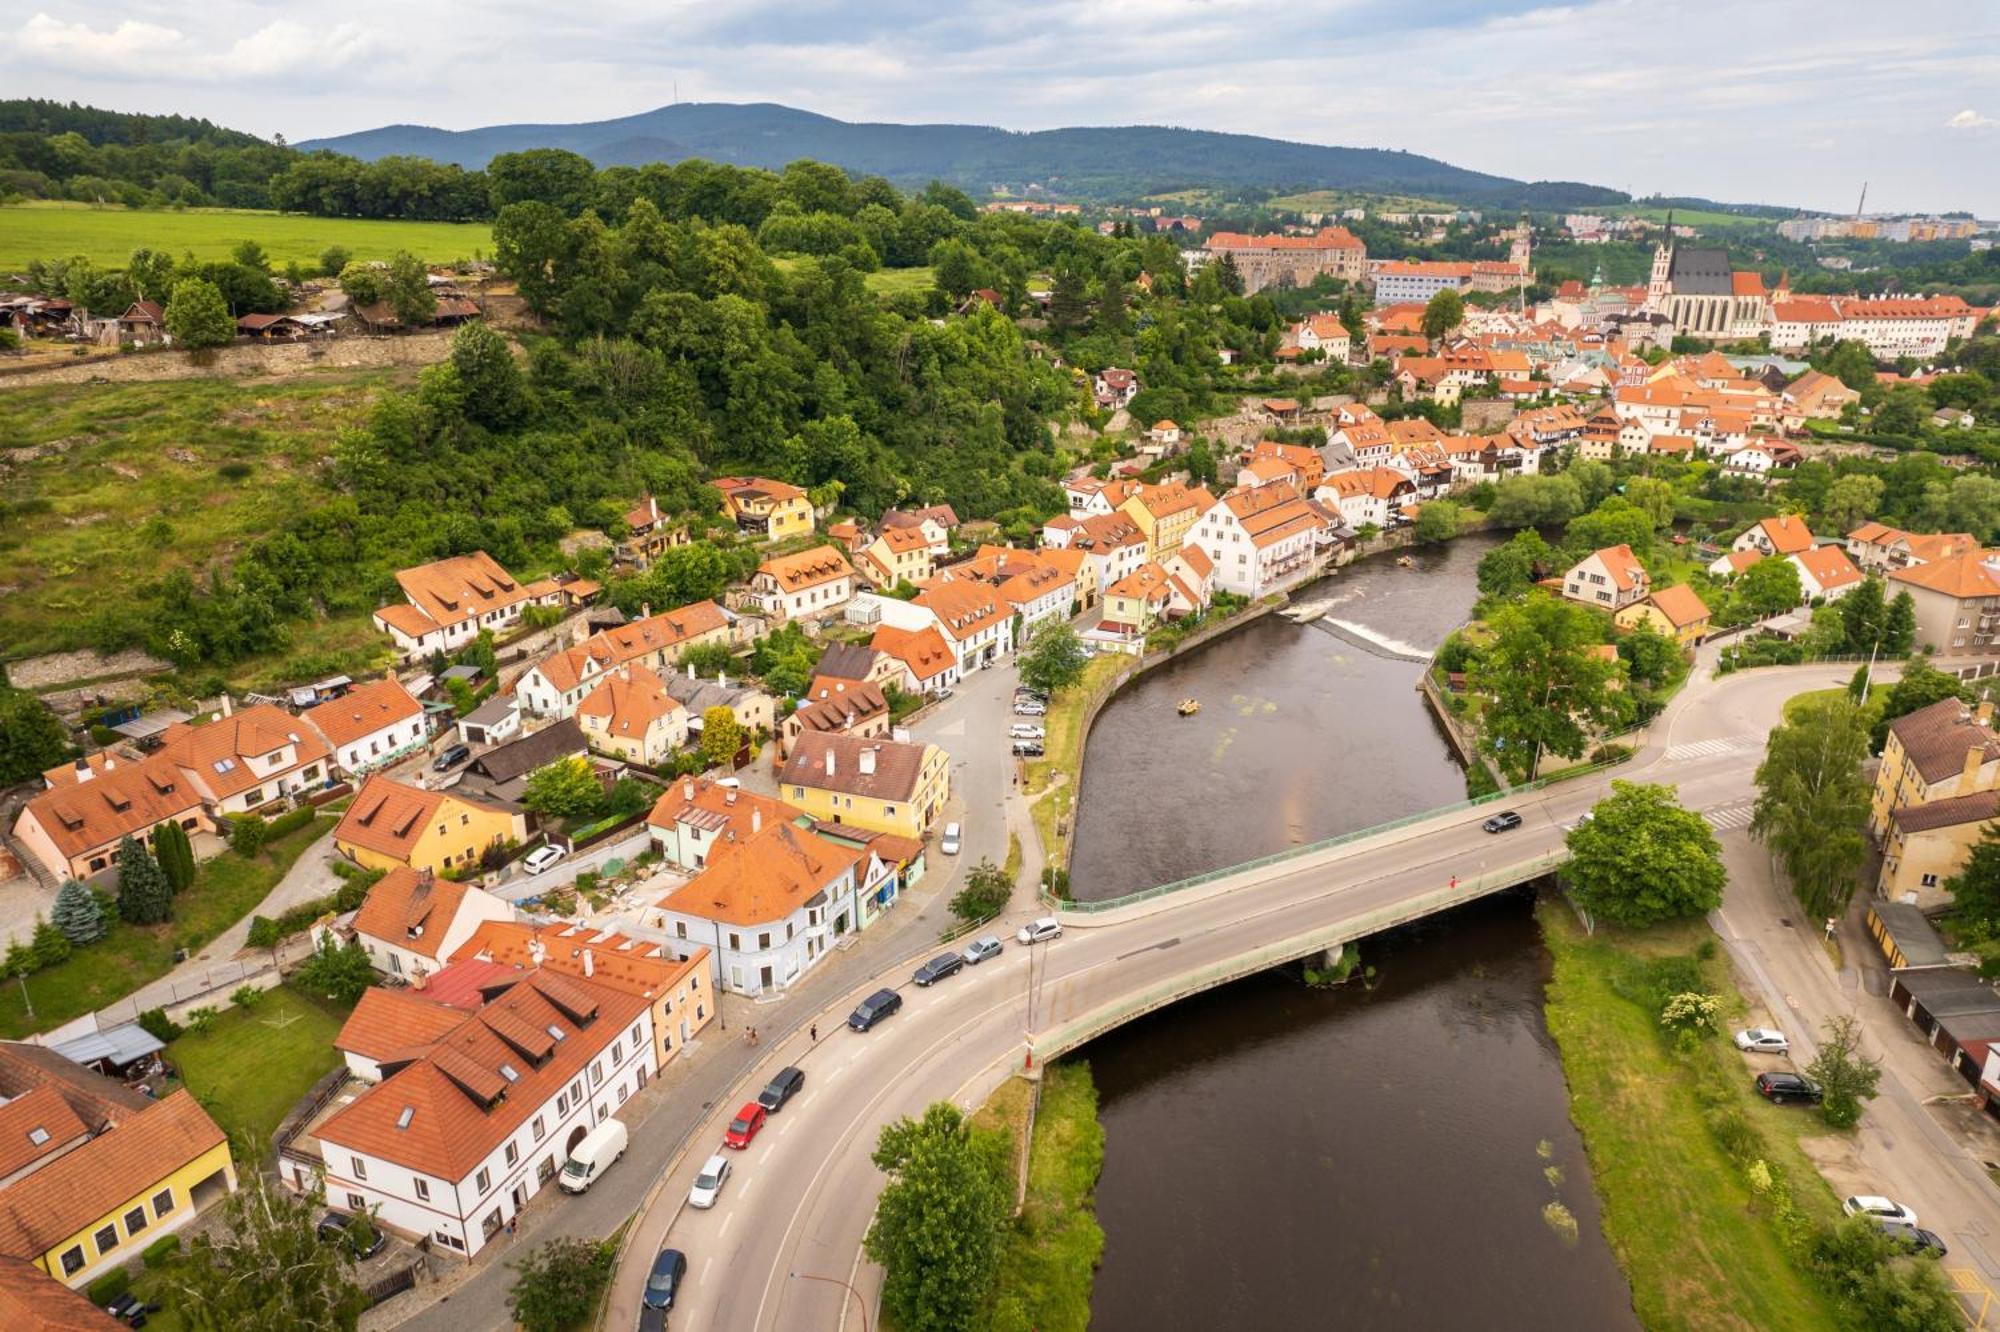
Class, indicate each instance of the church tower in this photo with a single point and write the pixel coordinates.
(1663, 260)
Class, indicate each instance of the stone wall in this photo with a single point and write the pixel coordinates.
(249, 360)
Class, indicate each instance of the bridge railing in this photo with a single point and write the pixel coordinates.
(1061, 1039)
(1501, 798)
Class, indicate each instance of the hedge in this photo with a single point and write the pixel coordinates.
(161, 1251)
(109, 1286)
(291, 821)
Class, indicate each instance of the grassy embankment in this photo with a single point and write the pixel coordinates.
(225, 890)
(107, 236)
(883, 281)
(82, 529)
(254, 1064)
(1063, 755)
(1050, 1255)
(1699, 1246)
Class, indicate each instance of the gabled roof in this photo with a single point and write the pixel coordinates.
(1680, 604)
(807, 568)
(407, 910)
(763, 878)
(1972, 574)
(33, 1301)
(216, 754)
(1622, 566)
(1787, 533)
(836, 705)
(581, 952)
(125, 798)
(963, 607)
(923, 651)
(710, 806)
(1829, 567)
(631, 700)
(362, 711)
(36, 1124)
(449, 590)
(846, 661)
(1978, 807)
(897, 766)
(1937, 738)
(386, 1021)
(739, 491)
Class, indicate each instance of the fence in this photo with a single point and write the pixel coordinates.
(178, 994)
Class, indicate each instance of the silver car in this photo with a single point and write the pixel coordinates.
(708, 1184)
(1035, 931)
(982, 948)
(1763, 1040)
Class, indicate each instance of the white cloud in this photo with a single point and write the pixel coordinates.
(286, 47)
(131, 48)
(1969, 119)
(136, 50)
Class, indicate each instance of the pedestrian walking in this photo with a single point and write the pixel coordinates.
(1454, 883)
(513, 1223)
(812, 1033)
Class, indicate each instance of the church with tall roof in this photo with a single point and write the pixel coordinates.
(1696, 289)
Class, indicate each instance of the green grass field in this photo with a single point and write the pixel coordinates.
(883, 281)
(252, 1066)
(109, 235)
(1329, 201)
(1690, 217)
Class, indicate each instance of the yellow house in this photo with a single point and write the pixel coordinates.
(101, 1170)
(1166, 514)
(899, 555)
(1936, 753)
(1927, 844)
(1134, 603)
(882, 785)
(391, 824)
(770, 509)
(1674, 611)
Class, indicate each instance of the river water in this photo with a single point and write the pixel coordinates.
(1365, 1157)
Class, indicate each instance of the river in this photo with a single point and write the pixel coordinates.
(1368, 1157)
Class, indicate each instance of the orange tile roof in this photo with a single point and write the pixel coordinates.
(924, 651)
(1960, 576)
(449, 590)
(362, 711)
(632, 965)
(218, 754)
(1165, 500)
(1739, 560)
(41, 1110)
(901, 540)
(712, 806)
(1681, 605)
(660, 633)
(385, 1021)
(631, 699)
(807, 568)
(1829, 567)
(129, 798)
(407, 910)
(388, 816)
(737, 490)
(963, 607)
(1148, 583)
(33, 1301)
(1327, 238)
(829, 704)
(1787, 533)
(764, 879)
(1623, 566)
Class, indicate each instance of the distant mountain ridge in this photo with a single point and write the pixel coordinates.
(1091, 162)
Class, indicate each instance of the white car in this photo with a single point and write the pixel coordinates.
(708, 1184)
(1026, 709)
(1035, 931)
(1869, 1204)
(541, 858)
(951, 839)
(1026, 731)
(1762, 1040)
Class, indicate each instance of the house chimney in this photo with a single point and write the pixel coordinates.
(653, 508)
(687, 788)
(589, 963)
(645, 610)
(757, 819)
(1968, 777)
(829, 762)
(690, 671)
(228, 704)
(868, 761)
(537, 950)
(729, 795)
(722, 678)
(1983, 714)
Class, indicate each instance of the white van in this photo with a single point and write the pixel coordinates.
(593, 1156)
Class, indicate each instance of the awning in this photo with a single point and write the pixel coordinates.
(152, 723)
(120, 1044)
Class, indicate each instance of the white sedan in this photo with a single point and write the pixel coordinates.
(1763, 1040)
(1048, 927)
(1869, 1204)
(708, 1184)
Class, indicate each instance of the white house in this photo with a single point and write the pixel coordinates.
(974, 619)
(1826, 574)
(370, 725)
(696, 815)
(1365, 496)
(810, 583)
(410, 924)
(1609, 579)
(1255, 537)
(448, 603)
(1782, 534)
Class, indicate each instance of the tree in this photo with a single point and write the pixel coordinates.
(1650, 657)
(1641, 858)
(1546, 688)
(565, 789)
(48, 945)
(1069, 302)
(265, 1266)
(1846, 1078)
(1513, 567)
(143, 895)
(1054, 658)
(721, 736)
(1444, 312)
(1851, 500)
(197, 316)
(1975, 889)
(31, 737)
(77, 914)
(1770, 587)
(558, 1284)
(247, 834)
(333, 260)
(1439, 521)
(175, 854)
(938, 1226)
(361, 282)
(494, 394)
(1852, 364)
(986, 893)
(1900, 634)
(1922, 685)
(1812, 800)
(407, 289)
(1654, 497)
(341, 972)
(1864, 618)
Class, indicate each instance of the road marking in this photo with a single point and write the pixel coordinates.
(1708, 748)
(1736, 816)
(723, 1233)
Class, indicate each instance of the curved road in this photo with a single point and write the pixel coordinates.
(783, 1244)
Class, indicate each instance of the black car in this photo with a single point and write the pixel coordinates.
(130, 1310)
(1919, 1239)
(335, 1227)
(944, 964)
(652, 1320)
(664, 1282)
(452, 757)
(1502, 821)
(780, 1089)
(1785, 1088)
(873, 1009)
(1028, 749)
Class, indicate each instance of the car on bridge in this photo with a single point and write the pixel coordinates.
(939, 967)
(708, 1184)
(782, 1087)
(745, 1126)
(1762, 1040)
(1502, 821)
(874, 1009)
(1785, 1088)
(987, 945)
(663, 1283)
(1035, 931)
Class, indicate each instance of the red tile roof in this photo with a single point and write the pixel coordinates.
(362, 711)
(407, 910)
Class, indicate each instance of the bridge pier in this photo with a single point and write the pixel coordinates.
(1329, 960)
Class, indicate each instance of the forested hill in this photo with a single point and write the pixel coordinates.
(1111, 162)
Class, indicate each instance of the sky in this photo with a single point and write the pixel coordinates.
(1790, 102)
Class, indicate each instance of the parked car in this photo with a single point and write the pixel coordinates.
(942, 693)
(1919, 1239)
(541, 858)
(782, 1087)
(1029, 691)
(1762, 1040)
(1785, 1088)
(1028, 749)
(597, 1153)
(1875, 1205)
(987, 945)
(451, 758)
(950, 844)
(708, 1183)
(873, 1009)
(1030, 708)
(745, 1126)
(1035, 931)
(130, 1310)
(663, 1283)
(1026, 731)
(335, 1228)
(939, 967)
(1502, 821)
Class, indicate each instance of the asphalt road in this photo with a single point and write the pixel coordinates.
(782, 1245)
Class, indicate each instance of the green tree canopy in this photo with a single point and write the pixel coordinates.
(721, 735)
(265, 1266)
(1443, 313)
(1846, 1078)
(144, 896)
(77, 914)
(1769, 587)
(1054, 658)
(1438, 521)
(406, 286)
(1642, 858)
(1812, 800)
(938, 1225)
(564, 789)
(197, 316)
(32, 739)
(556, 1287)
(175, 854)
(1547, 689)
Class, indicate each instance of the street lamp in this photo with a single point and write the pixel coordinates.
(836, 1281)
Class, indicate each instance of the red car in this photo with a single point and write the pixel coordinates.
(744, 1127)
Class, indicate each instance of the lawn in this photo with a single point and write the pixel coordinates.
(1678, 1211)
(883, 281)
(253, 1065)
(1051, 1254)
(107, 236)
(146, 477)
(225, 890)
(1063, 751)
(1691, 217)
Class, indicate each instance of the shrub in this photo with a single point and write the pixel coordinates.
(155, 1023)
(161, 1251)
(263, 932)
(109, 1286)
(202, 1020)
(246, 996)
(290, 821)
(247, 834)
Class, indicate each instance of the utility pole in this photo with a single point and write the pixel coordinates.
(719, 984)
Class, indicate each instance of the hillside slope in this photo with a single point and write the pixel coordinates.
(1080, 162)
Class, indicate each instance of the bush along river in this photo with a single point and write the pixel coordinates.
(1392, 1153)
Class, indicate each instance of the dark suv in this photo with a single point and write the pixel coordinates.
(335, 1228)
(944, 964)
(781, 1088)
(1785, 1088)
(451, 758)
(1501, 822)
(873, 1009)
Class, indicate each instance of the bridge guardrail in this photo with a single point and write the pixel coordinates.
(1059, 1040)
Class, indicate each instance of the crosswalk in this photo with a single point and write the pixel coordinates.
(1734, 816)
(1709, 748)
